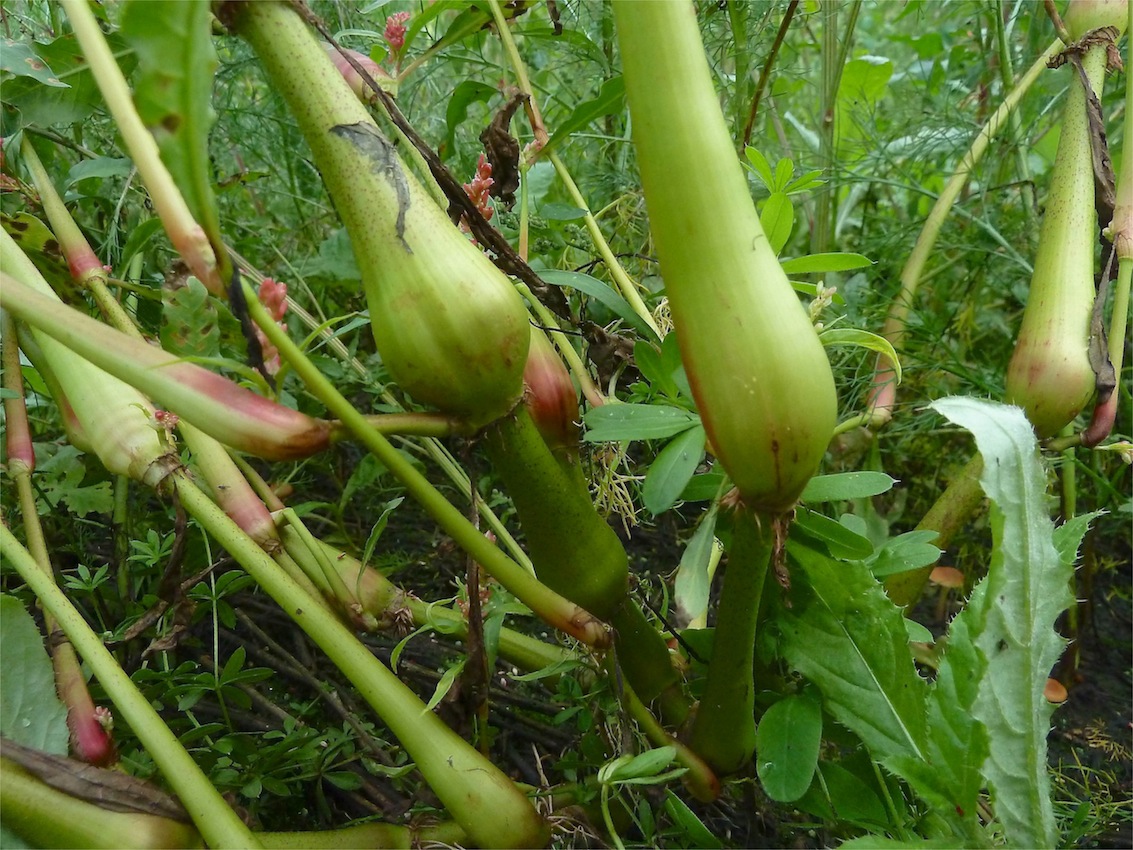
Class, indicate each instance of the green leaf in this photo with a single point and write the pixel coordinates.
(19, 60)
(642, 766)
(1026, 589)
(652, 368)
(761, 167)
(840, 541)
(698, 834)
(30, 712)
(672, 470)
(556, 211)
(444, 685)
(100, 167)
(778, 220)
(846, 485)
(908, 551)
(347, 780)
(703, 487)
(693, 583)
(465, 94)
(788, 740)
(950, 778)
(173, 94)
(428, 14)
(609, 101)
(615, 422)
(818, 263)
(190, 321)
(846, 636)
(864, 339)
(854, 800)
(603, 292)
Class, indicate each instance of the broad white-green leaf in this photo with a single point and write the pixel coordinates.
(1026, 589)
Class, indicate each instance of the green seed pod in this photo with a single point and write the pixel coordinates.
(449, 325)
(756, 367)
(1050, 375)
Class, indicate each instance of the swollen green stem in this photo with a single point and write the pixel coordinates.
(218, 824)
(723, 733)
(552, 607)
(884, 391)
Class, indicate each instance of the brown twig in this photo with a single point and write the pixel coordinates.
(1056, 19)
(765, 73)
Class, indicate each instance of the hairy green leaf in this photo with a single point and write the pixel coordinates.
(30, 712)
(1026, 589)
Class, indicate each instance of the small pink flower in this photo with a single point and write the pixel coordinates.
(478, 191)
(165, 420)
(395, 31)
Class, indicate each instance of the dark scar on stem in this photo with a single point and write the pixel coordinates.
(377, 148)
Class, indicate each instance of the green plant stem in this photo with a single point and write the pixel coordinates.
(218, 823)
(723, 733)
(884, 390)
(51, 818)
(552, 607)
(626, 286)
(184, 232)
(948, 514)
(466, 782)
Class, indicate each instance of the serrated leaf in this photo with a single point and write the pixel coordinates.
(845, 635)
(778, 220)
(173, 94)
(1026, 589)
(190, 321)
(788, 740)
(615, 422)
(30, 712)
(950, 779)
(843, 486)
(818, 263)
(672, 470)
(609, 101)
(603, 292)
(863, 339)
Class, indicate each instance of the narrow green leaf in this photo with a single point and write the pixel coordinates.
(817, 263)
(761, 167)
(444, 685)
(173, 94)
(672, 470)
(846, 485)
(693, 584)
(699, 835)
(864, 339)
(778, 220)
(603, 292)
(646, 764)
(787, 741)
(907, 551)
(609, 100)
(703, 487)
(1026, 589)
(845, 635)
(556, 211)
(840, 541)
(614, 422)
(429, 14)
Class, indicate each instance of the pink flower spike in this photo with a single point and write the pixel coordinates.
(273, 295)
(395, 31)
